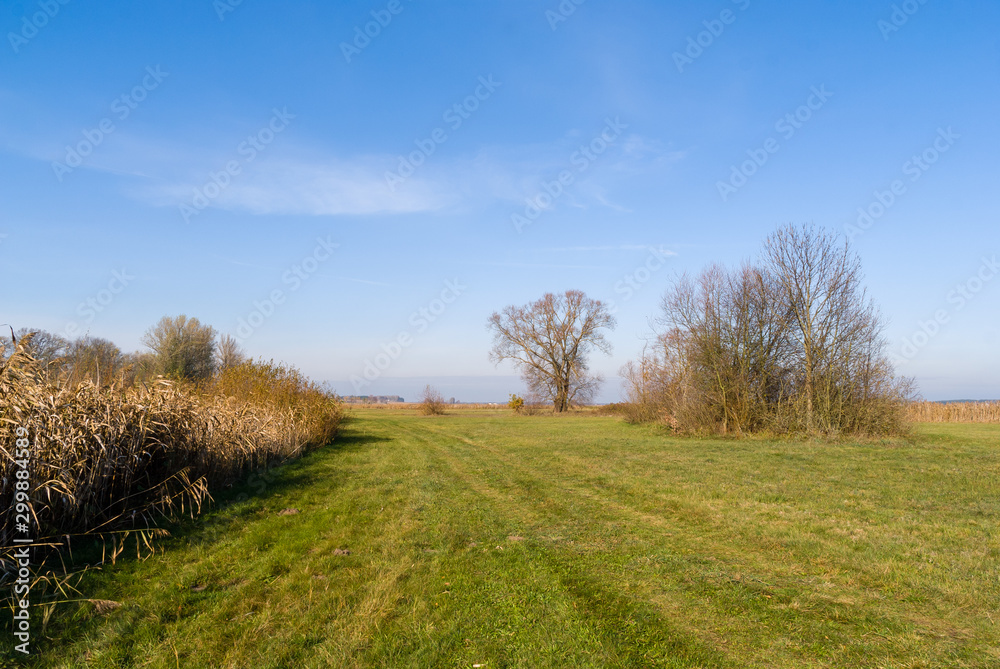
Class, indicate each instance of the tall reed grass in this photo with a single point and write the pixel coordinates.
(955, 412)
(117, 457)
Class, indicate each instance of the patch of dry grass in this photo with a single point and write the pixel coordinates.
(954, 412)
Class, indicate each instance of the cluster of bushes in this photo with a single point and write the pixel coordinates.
(108, 453)
(790, 343)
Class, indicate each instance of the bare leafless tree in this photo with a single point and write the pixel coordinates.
(47, 348)
(720, 329)
(228, 352)
(549, 341)
(93, 358)
(831, 322)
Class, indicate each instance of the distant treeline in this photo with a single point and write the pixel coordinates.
(178, 347)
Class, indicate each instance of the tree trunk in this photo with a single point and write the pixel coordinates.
(562, 396)
(809, 392)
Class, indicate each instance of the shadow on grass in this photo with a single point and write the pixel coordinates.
(281, 477)
(633, 630)
(240, 502)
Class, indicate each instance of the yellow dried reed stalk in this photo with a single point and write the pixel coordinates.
(955, 412)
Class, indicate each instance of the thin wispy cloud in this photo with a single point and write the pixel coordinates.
(285, 179)
(287, 186)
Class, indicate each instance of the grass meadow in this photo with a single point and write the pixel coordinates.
(481, 538)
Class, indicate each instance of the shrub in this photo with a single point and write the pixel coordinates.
(432, 403)
(791, 343)
(313, 415)
(516, 403)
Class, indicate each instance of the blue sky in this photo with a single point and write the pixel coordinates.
(325, 194)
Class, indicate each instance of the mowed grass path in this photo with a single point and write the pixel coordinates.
(578, 541)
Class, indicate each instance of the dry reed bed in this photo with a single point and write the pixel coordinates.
(955, 412)
(112, 458)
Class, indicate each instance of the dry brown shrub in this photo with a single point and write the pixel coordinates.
(432, 402)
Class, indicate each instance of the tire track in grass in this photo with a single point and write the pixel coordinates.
(325, 599)
(380, 595)
(859, 594)
(630, 630)
(778, 607)
(503, 590)
(592, 557)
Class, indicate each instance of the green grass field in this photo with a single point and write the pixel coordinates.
(485, 539)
